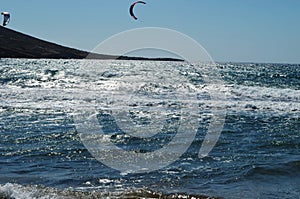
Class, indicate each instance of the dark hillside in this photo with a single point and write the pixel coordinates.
(14, 44)
(18, 45)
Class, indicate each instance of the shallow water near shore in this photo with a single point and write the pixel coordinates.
(42, 154)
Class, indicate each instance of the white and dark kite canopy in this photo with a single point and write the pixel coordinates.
(6, 18)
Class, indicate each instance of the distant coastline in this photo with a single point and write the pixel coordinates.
(18, 45)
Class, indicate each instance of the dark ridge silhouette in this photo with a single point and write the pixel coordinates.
(14, 44)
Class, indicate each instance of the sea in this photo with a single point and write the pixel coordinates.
(136, 129)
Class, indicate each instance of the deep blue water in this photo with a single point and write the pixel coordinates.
(42, 154)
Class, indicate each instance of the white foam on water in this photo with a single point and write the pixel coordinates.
(264, 98)
(16, 191)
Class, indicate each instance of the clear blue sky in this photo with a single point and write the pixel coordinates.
(230, 30)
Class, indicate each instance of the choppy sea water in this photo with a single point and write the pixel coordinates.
(43, 156)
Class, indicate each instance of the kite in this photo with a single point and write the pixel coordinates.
(132, 6)
(6, 18)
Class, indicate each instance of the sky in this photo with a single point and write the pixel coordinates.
(230, 30)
